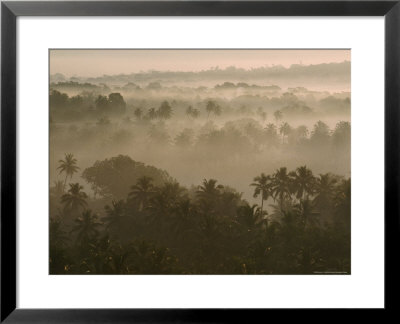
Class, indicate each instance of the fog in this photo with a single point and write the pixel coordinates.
(230, 145)
(200, 162)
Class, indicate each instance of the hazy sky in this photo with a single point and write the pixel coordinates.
(99, 62)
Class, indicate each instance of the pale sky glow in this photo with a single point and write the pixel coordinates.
(92, 63)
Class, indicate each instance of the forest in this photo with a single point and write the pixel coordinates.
(166, 228)
(212, 172)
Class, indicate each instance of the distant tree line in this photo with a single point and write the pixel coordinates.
(63, 107)
(332, 72)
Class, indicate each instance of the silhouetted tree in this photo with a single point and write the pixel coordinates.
(324, 190)
(209, 190)
(303, 182)
(74, 199)
(213, 107)
(116, 214)
(165, 110)
(285, 130)
(271, 134)
(138, 113)
(262, 187)
(142, 192)
(192, 112)
(278, 116)
(320, 134)
(68, 166)
(342, 134)
(281, 185)
(184, 138)
(152, 113)
(115, 176)
(102, 104)
(116, 103)
(86, 227)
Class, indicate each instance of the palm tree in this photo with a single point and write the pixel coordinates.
(68, 166)
(58, 237)
(281, 185)
(324, 190)
(166, 198)
(250, 216)
(86, 227)
(306, 212)
(303, 182)
(302, 132)
(138, 113)
(192, 112)
(182, 218)
(271, 129)
(185, 138)
(115, 213)
(228, 201)
(284, 130)
(142, 192)
(58, 189)
(343, 201)
(262, 188)
(277, 211)
(152, 113)
(74, 199)
(277, 115)
(209, 190)
(57, 249)
(189, 111)
(172, 190)
(213, 107)
(271, 134)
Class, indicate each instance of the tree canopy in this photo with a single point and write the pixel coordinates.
(115, 176)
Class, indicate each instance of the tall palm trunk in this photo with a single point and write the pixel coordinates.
(140, 205)
(262, 205)
(65, 181)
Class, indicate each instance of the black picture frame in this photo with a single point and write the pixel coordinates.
(9, 13)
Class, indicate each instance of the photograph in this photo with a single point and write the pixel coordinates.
(199, 161)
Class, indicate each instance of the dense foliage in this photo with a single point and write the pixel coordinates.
(300, 226)
(124, 214)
